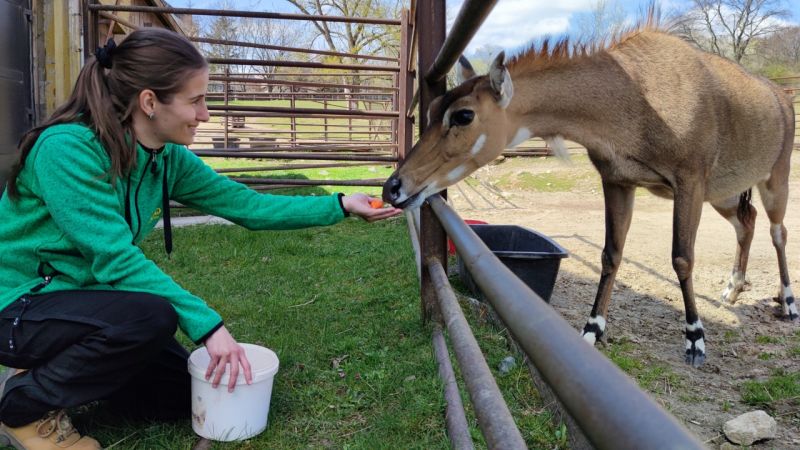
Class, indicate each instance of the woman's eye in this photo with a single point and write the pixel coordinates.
(462, 117)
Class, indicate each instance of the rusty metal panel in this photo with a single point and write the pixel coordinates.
(16, 107)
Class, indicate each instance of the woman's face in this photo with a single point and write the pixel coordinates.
(177, 120)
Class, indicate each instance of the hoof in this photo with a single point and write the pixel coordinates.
(695, 344)
(790, 309)
(593, 330)
(695, 358)
(729, 297)
(735, 286)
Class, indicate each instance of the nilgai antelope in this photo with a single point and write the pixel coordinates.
(652, 111)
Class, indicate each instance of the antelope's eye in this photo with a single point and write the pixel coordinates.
(462, 117)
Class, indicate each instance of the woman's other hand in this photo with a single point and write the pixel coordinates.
(224, 350)
(361, 205)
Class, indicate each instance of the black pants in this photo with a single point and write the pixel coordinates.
(82, 346)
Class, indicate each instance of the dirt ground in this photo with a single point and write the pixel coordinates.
(647, 307)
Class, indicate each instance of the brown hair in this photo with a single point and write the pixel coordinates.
(104, 99)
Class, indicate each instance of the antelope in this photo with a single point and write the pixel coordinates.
(652, 112)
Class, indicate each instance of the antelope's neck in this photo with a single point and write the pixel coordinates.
(588, 101)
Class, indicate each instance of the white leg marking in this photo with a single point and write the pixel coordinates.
(590, 336)
(523, 134)
(600, 321)
(456, 174)
(788, 310)
(777, 234)
(698, 344)
(698, 325)
(478, 145)
(735, 285)
(559, 147)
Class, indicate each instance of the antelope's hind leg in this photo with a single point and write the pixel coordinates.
(619, 209)
(742, 215)
(774, 194)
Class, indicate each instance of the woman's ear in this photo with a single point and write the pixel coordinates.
(147, 102)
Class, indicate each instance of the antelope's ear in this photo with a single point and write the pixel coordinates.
(500, 80)
(464, 71)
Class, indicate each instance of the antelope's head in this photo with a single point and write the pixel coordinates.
(467, 128)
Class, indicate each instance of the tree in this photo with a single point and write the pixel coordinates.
(271, 32)
(227, 29)
(783, 47)
(602, 21)
(354, 38)
(728, 27)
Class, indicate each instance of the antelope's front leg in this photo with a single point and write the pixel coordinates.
(619, 209)
(685, 219)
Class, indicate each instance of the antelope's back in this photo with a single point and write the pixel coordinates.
(718, 114)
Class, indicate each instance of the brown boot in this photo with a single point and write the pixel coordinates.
(53, 432)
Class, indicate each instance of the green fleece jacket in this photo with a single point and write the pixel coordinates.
(71, 219)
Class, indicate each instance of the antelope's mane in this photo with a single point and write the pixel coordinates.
(550, 53)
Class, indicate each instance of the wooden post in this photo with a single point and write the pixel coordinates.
(430, 23)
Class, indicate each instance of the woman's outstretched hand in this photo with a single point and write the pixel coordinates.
(224, 350)
(368, 208)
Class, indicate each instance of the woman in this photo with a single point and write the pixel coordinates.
(87, 315)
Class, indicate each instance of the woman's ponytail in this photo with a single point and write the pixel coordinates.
(107, 90)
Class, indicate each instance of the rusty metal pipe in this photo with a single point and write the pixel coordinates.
(252, 14)
(288, 111)
(494, 418)
(235, 153)
(291, 182)
(274, 82)
(289, 49)
(456, 420)
(310, 65)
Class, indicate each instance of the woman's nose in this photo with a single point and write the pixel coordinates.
(202, 114)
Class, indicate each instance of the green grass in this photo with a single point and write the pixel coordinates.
(651, 377)
(765, 339)
(340, 307)
(781, 386)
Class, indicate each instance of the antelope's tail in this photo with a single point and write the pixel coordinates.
(745, 210)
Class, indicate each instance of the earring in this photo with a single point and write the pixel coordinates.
(151, 115)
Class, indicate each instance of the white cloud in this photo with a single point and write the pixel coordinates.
(515, 23)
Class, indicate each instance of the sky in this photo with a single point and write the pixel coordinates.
(529, 19)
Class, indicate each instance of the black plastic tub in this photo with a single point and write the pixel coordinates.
(533, 257)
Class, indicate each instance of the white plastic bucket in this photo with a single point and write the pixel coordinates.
(231, 416)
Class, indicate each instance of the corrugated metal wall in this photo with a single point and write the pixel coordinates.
(16, 96)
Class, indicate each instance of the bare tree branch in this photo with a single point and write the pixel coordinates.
(728, 27)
